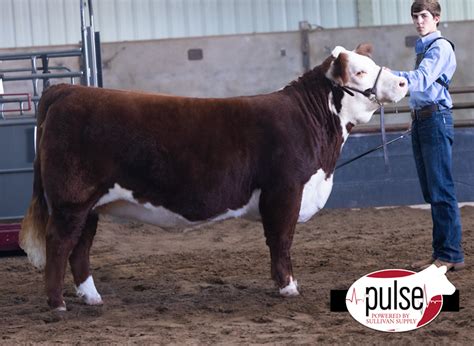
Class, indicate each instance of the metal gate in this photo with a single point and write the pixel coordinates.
(34, 71)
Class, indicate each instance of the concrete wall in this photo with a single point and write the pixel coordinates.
(231, 65)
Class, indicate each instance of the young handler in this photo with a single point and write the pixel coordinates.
(432, 133)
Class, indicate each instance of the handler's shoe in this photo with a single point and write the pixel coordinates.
(449, 265)
(422, 264)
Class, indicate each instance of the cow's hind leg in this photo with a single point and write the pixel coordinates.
(63, 231)
(279, 211)
(80, 267)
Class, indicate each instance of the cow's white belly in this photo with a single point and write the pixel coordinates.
(120, 202)
(315, 195)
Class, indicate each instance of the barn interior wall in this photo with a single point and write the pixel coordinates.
(259, 63)
(53, 22)
(251, 63)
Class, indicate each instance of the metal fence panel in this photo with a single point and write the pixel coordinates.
(16, 172)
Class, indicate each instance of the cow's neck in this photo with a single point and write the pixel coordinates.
(345, 118)
(320, 105)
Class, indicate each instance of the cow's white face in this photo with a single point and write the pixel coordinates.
(359, 72)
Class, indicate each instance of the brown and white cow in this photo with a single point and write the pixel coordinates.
(174, 161)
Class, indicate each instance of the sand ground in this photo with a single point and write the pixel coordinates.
(212, 284)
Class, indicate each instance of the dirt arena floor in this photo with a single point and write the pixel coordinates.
(212, 284)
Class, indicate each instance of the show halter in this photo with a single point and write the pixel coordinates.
(367, 93)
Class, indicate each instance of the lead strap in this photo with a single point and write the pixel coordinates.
(384, 140)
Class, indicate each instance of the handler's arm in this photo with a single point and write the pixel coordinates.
(430, 69)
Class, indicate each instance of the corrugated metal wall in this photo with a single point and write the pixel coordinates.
(53, 22)
(389, 12)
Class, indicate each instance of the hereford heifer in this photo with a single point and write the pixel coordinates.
(178, 161)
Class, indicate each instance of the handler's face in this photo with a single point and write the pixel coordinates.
(424, 22)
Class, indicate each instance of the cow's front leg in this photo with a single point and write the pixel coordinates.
(279, 209)
(79, 261)
(62, 235)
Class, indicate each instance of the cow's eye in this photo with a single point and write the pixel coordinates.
(361, 73)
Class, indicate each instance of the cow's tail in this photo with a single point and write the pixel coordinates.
(33, 227)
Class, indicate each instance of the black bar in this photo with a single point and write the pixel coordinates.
(338, 301)
(98, 54)
(12, 253)
(451, 303)
(45, 62)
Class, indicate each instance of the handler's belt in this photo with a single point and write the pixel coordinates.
(424, 112)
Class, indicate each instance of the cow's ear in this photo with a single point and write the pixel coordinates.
(339, 69)
(365, 49)
(337, 50)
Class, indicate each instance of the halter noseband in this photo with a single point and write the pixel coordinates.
(367, 93)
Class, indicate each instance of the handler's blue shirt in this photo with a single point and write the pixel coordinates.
(439, 61)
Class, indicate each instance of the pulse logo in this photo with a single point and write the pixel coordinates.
(398, 300)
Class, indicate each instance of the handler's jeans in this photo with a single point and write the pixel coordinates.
(432, 140)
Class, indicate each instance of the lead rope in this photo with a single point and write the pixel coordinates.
(383, 145)
(384, 140)
(374, 149)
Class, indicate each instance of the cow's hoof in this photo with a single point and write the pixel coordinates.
(90, 299)
(291, 290)
(60, 308)
(57, 304)
(93, 300)
(89, 293)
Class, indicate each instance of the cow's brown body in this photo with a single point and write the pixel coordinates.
(196, 158)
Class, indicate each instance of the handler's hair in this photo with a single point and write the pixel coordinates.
(432, 6)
